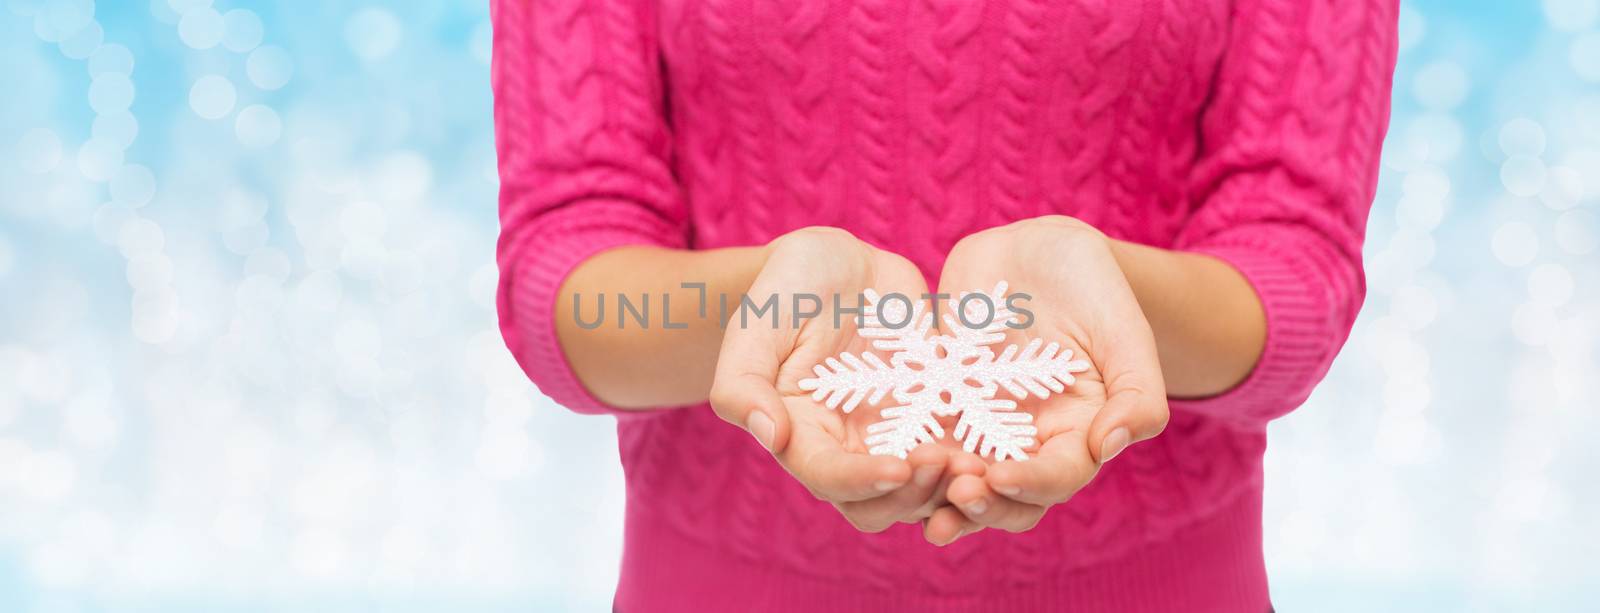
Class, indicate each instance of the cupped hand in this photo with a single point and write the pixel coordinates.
(763, 359)
(1078, 297)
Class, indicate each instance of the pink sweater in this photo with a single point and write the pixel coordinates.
(1244, 129)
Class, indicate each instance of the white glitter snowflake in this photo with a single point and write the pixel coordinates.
(931, 376)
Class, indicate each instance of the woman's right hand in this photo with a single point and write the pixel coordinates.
(760, 366)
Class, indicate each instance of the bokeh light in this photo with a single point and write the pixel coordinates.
(38, 151)
(110, 92)
(269, 67)
(373, 33)
(1584, 55)
(212, 97)
(257, 126)
(242, 30)
(1571, 15)
(1441, 85)
(201, 28)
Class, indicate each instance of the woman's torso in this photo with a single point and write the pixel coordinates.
(913, 124)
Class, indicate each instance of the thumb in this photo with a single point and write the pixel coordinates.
(1136, 399)
(744, 391)
(1131, 414)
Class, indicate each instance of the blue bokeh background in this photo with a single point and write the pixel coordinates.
(248, 357)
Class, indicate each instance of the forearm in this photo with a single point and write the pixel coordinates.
(1209, 325)
(633, 366)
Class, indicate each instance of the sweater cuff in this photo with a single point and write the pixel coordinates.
(531, 291)
(1302, 333)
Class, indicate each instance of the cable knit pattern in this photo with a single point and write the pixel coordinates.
(1248, 130)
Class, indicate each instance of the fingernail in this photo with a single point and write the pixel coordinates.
(1008, 490)
(761, 427)
(1114, 444)
(886, 486)
(952, 539)
(926, 475)
(977, 507)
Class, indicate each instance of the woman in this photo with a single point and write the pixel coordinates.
(1180, 187)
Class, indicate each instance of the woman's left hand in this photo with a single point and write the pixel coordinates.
(1080, 298)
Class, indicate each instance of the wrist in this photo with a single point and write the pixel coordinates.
(1209, 325)
(1070, 228)
(728, 270)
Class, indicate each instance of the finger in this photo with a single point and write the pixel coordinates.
(823, 465)
(1136, 398)
(1136, 395)
(751, 402)
(967, 463)
(1061, 467)
(1130, 415)
(958, 463)
(744, 391)
(877, 514)
(984, 507)
(946, 525)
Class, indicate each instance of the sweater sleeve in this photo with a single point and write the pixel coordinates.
(584, 160)
(1285, 177)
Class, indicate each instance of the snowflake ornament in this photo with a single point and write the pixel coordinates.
(932, 376)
